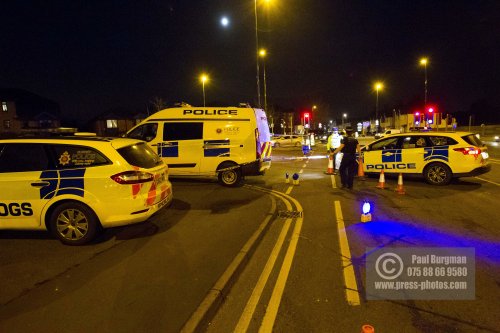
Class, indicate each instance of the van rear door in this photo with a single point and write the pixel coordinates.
(263, 136)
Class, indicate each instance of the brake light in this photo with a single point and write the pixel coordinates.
(132, 177)
(469, 150)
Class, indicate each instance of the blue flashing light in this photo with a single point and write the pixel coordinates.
(295, 176)
(367, 207)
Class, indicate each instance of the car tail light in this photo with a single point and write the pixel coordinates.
(132, 177)
(469, 150)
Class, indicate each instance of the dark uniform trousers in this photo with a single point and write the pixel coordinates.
(348, 166)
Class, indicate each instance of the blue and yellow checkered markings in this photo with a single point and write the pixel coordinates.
(62, 182)
(213, 149)
(392, 155)
(436, 153)
(168, 149)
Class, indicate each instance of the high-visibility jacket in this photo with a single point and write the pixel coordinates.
(333, 141)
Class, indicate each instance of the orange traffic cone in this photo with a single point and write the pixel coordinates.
(367, 329)
(361, 172)
(381, 180)
(329, 171)
(399, 189)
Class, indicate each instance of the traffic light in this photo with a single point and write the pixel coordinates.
(416, 117)
(307, 120)
(429, 114)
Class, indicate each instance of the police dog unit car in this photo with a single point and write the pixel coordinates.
(75, 186)
(437, 156)
(228, 142)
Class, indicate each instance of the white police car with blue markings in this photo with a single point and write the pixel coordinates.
(227, 142)
(75, 186)
(437, 156)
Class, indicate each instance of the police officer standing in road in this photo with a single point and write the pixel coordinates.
(333, 143)
(348, 166)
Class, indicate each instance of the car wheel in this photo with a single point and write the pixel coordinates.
(276, 145)
(437, 174)
(74, 223)
(230, 175)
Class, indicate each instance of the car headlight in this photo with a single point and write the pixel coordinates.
(497, 137)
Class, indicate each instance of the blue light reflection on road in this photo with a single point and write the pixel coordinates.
(402, 234)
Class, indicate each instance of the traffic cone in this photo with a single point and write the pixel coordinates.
(367, 329)
(399, 189)
(361, 172)
(329, 171)
(381, 180)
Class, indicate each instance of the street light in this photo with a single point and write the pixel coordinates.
(263, 54)
(378, 86)
(344, 116)
(203, 79)
(314, 107)
(424, 62)
(257, 48)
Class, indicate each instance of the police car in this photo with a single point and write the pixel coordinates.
(75, 186)
(437, 156)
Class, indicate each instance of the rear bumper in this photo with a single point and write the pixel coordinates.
(255, 168)
(476, 172)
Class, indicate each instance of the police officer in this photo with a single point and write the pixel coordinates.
(333, 143)
(348, 166)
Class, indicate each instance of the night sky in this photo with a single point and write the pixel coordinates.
(95, 56)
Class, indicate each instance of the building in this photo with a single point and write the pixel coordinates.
(25, 113)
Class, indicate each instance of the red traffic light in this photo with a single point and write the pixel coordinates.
(417, 114)
(430, 110)
(306, 114)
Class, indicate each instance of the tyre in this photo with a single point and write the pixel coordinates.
(437, 174)
(231, 175)
(74, 223)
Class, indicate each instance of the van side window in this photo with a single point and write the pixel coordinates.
(182, 131)
(146, 132)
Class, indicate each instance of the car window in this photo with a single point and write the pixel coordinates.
(73, 156)
(414, 141)
(441, 141)
(140, 155)
(182, 131)
(389, 143)
(473, 140)
(146, 132)
(22, 157)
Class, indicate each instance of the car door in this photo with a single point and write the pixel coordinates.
(414, 150)
(21, 202)
(383, 154)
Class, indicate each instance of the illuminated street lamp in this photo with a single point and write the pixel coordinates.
(263, 54)
(203, 79)
(257, 49)
(344, 116)
(378, 86)
(424, 62)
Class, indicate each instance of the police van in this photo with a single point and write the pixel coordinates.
(437, 156)
(227, 142)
